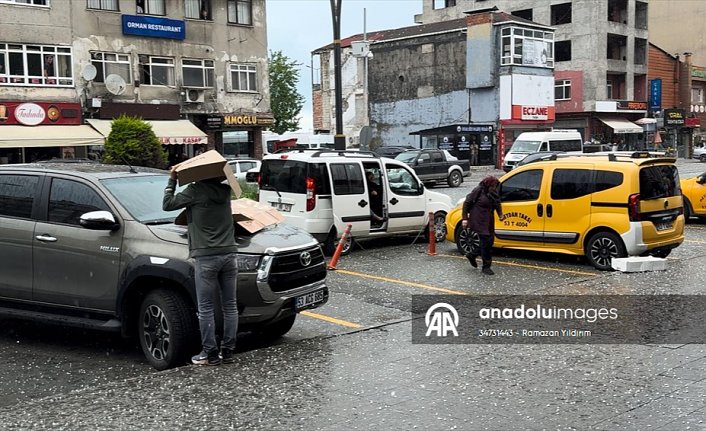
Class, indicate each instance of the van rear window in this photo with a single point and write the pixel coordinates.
(289, 176)
(565, 145)
(659, 182)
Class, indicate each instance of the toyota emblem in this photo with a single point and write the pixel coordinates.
(305, 258)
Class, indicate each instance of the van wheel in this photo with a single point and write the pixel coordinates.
(439, 228)
(455, 179)
(687, 210)
(466, 241)
(167, 329)
(332, 242)
(602, 247)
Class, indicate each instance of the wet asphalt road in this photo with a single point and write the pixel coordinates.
(351, 363)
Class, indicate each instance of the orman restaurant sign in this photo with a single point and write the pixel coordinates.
(150, 26)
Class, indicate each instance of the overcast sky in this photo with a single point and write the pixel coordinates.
(297, 27)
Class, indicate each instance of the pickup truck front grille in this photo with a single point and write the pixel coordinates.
(289, 272)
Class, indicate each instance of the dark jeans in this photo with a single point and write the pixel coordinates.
(486, 248)
(217, 275)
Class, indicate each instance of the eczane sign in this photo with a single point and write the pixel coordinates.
(534, 112)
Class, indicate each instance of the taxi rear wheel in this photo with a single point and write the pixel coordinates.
(466, 240)
(687, 210)
(602, 247)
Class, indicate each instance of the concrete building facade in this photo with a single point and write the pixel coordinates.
(204, 61)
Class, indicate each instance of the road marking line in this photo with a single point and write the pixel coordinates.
(403, 282)
(523, 265)
(331, 319)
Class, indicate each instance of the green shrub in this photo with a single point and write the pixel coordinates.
(132, 141)
(249, 191)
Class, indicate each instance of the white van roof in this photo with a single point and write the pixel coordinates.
(556, 133)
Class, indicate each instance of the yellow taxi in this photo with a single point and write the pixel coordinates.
(694, 193)
(603, 206)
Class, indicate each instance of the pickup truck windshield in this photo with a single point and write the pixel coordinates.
(142, 196)
(407, 156)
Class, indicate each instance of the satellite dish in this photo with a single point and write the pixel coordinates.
(89, 72)
(115, 84)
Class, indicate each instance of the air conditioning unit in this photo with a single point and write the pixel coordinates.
(193, 96)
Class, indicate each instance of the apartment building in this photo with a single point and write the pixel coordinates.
(195, 69)
(600, 59)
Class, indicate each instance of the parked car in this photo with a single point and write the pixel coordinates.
(568, 140)
(391, 151)
(700, 152)
(242, 166)
(324, 191)
(602, 206)
(433, 166)
(89, 245)
(694, 193)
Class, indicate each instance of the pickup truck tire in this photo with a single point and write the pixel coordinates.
(455, 179)
(167, 329)
(278, 328)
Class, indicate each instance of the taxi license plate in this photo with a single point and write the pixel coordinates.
(664, 226)
(282, 206)
(308, 299)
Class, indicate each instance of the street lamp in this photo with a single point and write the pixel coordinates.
(339, 140)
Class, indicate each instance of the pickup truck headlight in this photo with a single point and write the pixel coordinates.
(248, 262)
(263, 272)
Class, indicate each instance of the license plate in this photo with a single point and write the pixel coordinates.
(282, 206)
(308, 299)
(664, 226)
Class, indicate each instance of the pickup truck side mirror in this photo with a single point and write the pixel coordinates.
(99, 220)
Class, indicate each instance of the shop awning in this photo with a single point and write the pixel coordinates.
(621, 125)
(174, 132)
(15, 136)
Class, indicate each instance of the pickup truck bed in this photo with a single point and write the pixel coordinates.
(434, 166)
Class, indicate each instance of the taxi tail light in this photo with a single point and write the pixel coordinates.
(634, 207)
(310, 194)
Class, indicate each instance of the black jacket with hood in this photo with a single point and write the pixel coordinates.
(209, 216)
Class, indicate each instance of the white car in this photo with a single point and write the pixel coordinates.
(323, 192)
(700, 152)
(242, 166)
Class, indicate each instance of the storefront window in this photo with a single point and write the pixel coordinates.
(238, 144)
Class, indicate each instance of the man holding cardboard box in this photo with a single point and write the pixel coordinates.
(213, 249)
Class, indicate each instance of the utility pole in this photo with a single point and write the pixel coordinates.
(339, 140)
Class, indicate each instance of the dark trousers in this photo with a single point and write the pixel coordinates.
(486, 248)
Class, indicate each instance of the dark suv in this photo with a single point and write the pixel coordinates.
(89, 245)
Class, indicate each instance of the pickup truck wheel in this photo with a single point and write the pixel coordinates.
(279, 328)
(167, 329)
(455, 179)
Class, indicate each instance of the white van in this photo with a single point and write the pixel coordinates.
(531, 142)
(324, 191)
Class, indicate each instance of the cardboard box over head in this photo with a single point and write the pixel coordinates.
(248, 214)
(210, 164)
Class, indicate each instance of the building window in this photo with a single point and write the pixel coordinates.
(36, 65)
(562, 50)
(197, 73)
(442, 4)
(240, 12)
(243, 77)
(29, 2)
(198, 9)
(524, 14)
(108, 63)
(697, 95)
(150, 7)
(157, 70)
(561, 14)
(103, 4)
(527, 47)
(562, 89)
(609, 89)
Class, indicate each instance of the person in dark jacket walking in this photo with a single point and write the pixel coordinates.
(213, 249)
(478, 211)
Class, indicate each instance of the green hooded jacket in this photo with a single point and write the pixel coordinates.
(208, 213)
